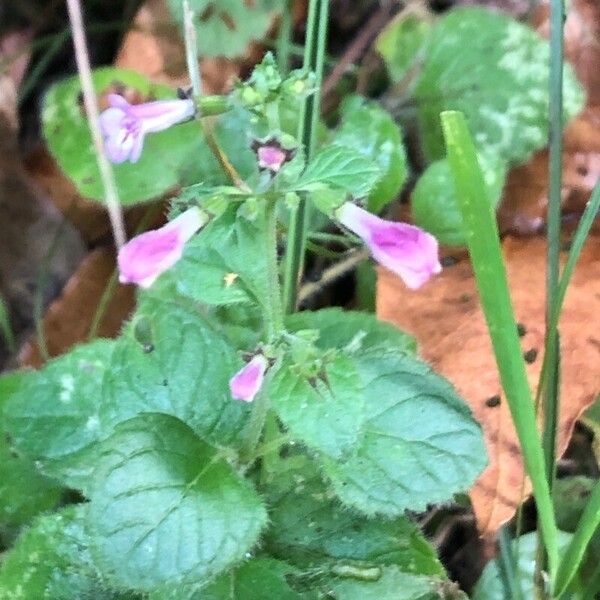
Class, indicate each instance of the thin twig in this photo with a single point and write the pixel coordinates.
(358, 46)
(332, 274)
(91, 107)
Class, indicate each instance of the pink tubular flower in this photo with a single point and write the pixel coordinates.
(404, 249)
(148, 255)
(246, 383)
(271, 158)
(124, 125)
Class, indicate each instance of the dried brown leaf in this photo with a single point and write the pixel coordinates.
(446, 318)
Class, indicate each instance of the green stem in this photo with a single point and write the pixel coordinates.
(284, 39)
(314, 60)
(551, 399)
(508, 566)
(490, 273)
(191, 51)
(550, 375)
(274, 321)
(275, 311)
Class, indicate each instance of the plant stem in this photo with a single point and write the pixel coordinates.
(314, 59)
(490, 273)
(550, 379)
(275, 311)
(551, 397)
(284, 39)
(191, 51)
(274, 319)
(91, 109)
(508, 566)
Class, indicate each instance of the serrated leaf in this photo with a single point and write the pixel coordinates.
(420, 446)
(309, 528)
(53, 417)
(226, 263)
(227, 27)
(52, 560)
(352, 330)
(340, 167)
(183, 370)
(169, 158)
(166, 509)
(326, 413)
(490, 585)
(499, 80)
(434, 205)
(368, 128)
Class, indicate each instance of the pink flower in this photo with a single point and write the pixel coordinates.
(404, 249)
(148, 255)
(271, 158)
(246, 383)
(124, 125)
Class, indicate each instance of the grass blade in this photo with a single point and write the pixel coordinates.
(574, 554)
(484, 247)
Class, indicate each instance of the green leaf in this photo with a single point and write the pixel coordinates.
(490, 586)
(340, 167)
(325, 412)
(53, 418)
(402, 42)
(52, 560)
(169, 158)
(226, 263)
(258, 579)
(309, 528)
(499, 80)
(233, 133)
(421, 444)
(166, 509)
(24, 492)
(183, 370)
(368, 128)
(227, 27)
(434, 204)
(354, 331)
(387, 586)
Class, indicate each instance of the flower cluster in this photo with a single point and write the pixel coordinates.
(402, 248)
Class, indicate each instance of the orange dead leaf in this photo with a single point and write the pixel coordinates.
(448, 323)
(68, 320)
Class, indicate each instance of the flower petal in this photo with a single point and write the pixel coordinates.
(144, 258)
(246, 383)
(404, 249)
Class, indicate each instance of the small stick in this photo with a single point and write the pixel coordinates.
(366, 35)
(91, 107)
(332, 274)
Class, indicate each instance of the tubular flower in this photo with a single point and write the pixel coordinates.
(404, 249)
(246, 383)
(124, 125)
(148, 255)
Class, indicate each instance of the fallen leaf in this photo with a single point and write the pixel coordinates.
(69, 318)
(446, 318)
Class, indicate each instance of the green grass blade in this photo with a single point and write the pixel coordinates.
(581, 235)
(574, 554)
(484, 247)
